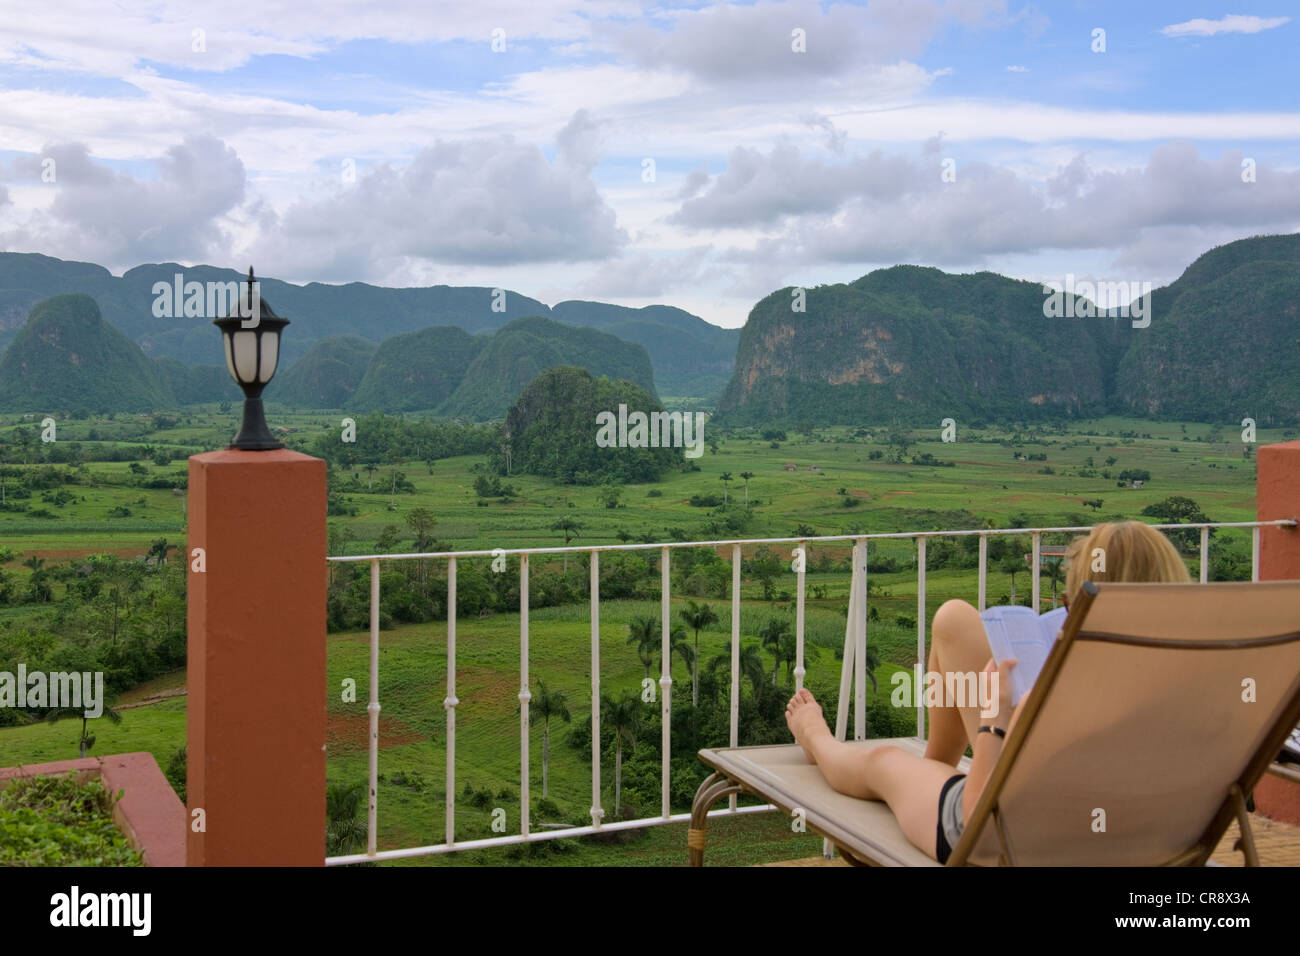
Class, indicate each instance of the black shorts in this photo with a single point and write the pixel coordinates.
(951, 823)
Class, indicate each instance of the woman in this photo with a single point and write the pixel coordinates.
(931, 802)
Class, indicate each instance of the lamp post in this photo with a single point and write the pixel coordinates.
(251, 339)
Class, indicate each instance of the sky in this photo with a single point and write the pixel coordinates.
(700, 155)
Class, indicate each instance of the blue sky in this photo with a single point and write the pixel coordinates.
(390, 143)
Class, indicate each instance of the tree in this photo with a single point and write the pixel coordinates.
(158, 551)
(772, 634)
(644, 633)
(422, 522)
(677, 645)
(345, 831)
(1178, 509)
(746, 475)
(1013, 564)
(609, 495)
(1055, 574)
(899, 440)
(86, 741)
(697, 616)
(546, 704)
(570, 528)
(752, 667)
(726, 479)
(370, 470)
(623, 717)
(765, 566)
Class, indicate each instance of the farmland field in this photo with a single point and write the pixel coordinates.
(832, 481)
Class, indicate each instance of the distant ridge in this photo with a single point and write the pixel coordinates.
(693, 356)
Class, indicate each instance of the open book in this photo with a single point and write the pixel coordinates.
(1018, 632)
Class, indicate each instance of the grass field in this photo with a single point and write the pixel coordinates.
(986, 486)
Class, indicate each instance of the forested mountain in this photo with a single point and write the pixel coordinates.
(1222, 343)
(67, 357)
(522, 350)
(694, 356)
(418, 370)
(918, 343)
(551, 431)
(691, 357)
(328, 375)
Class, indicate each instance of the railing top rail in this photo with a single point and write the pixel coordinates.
(807, 539)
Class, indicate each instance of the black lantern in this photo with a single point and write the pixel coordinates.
(251, 338)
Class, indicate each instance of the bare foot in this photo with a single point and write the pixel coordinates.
(803, 715)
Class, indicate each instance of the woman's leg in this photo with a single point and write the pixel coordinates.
(909, 784)
(957, 644)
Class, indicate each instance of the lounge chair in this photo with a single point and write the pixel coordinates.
(1156, 713)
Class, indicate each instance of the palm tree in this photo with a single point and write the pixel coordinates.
(570, 529)
(87, 741)
(1013, 565)
(1055, 574)
(677, 645)
(790, 654)
(623, 716)
(773, 633)
(697, 615)
(344, 828)
(747, 475)
(644, 633)
(370, 470)
(752, 667)
(547, 704)
(725, 478)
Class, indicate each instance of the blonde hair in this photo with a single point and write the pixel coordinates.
(1130, 551)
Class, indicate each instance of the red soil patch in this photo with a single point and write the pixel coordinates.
(351, 733)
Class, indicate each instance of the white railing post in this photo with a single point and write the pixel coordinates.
(1205, 555)
(450, 702)
(372, 813)
(920, 630)
(1035, 570)
(597, 814)
(984, 571)
(1254, 553)
(859, 611)
(735, 653)
(798, 615)
(665, 675)
(525, 697)
(850, 649)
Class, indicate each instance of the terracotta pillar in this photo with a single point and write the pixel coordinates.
(1278, 496)
(256, 682)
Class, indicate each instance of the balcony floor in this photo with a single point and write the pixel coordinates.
(1278, 845)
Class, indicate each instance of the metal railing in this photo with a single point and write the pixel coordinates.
(852, 677)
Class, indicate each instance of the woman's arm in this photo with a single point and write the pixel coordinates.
(987, 747)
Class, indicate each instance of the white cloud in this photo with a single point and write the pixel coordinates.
(485, 201)
(1017, 69)
(115, 218)
(881, 208)
(1232, 23)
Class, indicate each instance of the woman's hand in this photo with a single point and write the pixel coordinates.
(1003, 717)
